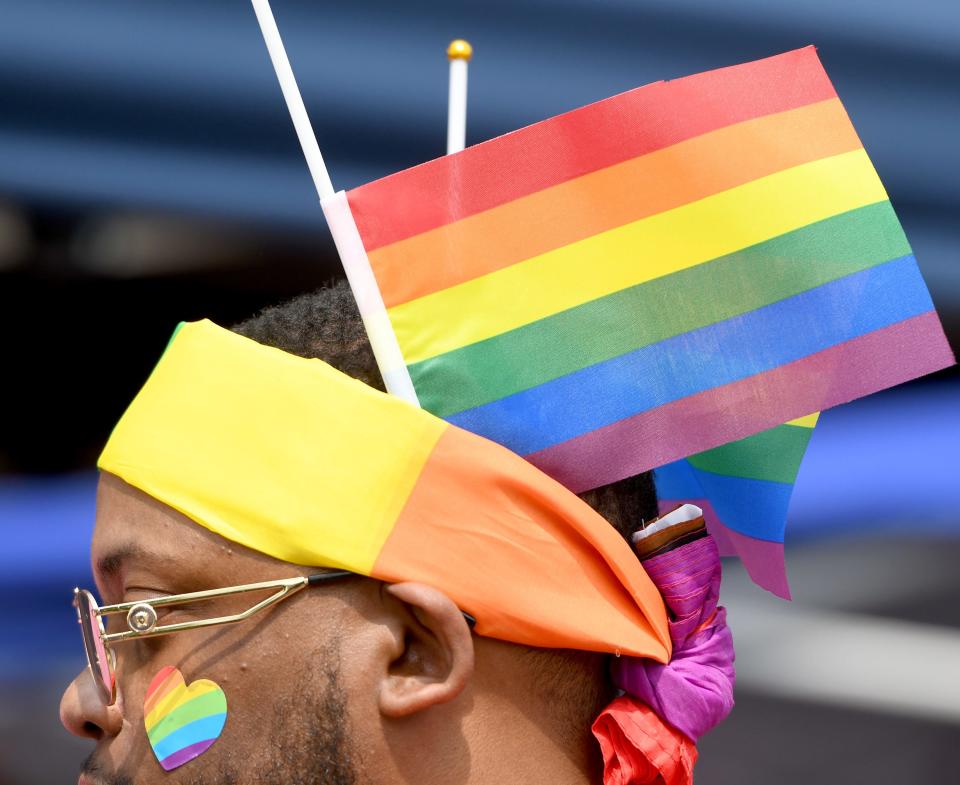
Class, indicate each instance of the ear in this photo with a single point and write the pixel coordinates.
(435, 652)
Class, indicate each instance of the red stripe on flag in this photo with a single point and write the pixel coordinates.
(584, 140)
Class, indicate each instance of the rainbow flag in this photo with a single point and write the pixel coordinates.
(747, 483)
(646, 278)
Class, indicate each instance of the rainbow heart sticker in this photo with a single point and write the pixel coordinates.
(182, 722)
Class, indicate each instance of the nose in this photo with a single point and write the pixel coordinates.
(82, 711)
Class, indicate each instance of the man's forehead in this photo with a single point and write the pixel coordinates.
(131, 522)
(133, 530)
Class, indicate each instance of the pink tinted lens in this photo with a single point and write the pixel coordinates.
(99, 659)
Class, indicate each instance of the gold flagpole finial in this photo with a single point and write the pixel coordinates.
(459, 50)
(458, 53)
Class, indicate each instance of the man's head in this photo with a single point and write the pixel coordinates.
(358, 681)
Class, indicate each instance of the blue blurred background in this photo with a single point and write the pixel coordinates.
(149, 173)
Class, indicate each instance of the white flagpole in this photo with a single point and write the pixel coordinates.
(340, 220)
(342, 225)
(458, 53)
(298, 112)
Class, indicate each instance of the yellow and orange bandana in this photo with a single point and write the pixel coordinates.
(292, 458)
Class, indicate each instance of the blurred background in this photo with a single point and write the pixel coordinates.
(149, 173)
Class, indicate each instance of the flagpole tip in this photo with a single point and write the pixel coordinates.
(459, 50)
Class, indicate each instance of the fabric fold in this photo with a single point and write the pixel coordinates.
(638, 747)
(652, 731)
(694, 690)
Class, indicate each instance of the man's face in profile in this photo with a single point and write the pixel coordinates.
(285, 673)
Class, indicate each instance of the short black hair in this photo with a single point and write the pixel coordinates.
(325, 324)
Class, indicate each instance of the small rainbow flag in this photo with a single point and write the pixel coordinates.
(747, 483)
(644, 279)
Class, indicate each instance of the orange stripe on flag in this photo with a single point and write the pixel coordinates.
(535, 566)
(626, 192)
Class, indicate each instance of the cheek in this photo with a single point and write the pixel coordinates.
(137, 664)
(287, 658)
(149, 665)
(360, 652)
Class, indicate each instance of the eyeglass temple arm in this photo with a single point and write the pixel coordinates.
(326, 576)
(329, 576)
(284, 589)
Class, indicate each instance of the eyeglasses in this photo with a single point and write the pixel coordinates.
(142, 620)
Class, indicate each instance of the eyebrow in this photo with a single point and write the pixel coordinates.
(111, 563)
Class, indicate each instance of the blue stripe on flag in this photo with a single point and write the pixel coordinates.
(755, 508)
(702, 359)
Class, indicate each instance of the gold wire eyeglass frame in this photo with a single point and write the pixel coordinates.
(142, 619)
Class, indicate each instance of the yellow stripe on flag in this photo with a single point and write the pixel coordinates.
(633, 254)
(805, 422)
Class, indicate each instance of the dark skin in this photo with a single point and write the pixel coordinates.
(350, 682)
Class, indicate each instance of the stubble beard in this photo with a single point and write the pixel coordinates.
(308, 742)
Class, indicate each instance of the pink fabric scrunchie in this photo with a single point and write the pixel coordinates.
(694, 691)
(686, 697)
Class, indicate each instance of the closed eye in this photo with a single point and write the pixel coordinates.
(192, 608)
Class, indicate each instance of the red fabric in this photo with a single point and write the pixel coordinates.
(640, 749)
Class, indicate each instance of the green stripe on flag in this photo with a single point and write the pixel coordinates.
(772, 455)
(659, 309)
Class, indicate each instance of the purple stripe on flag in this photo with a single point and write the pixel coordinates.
(186, 754)
(848, 370)
(763, 560)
